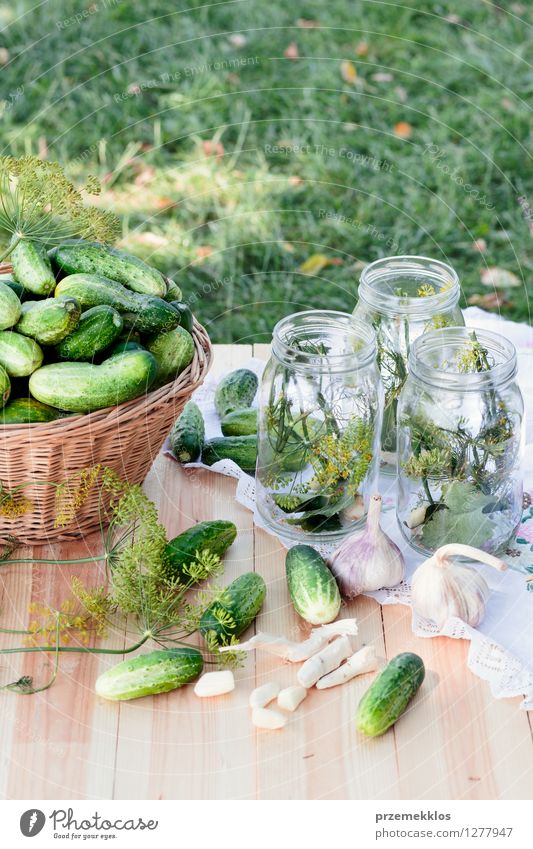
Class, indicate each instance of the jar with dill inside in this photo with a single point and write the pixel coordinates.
(460, 439)
(321, 402)
(402, 298)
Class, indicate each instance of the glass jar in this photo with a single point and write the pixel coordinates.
(460, 440)
(403, 297)
(321, 402)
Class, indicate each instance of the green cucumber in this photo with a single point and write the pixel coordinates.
(185, 313)
(79, 257)
(27, 411)
(143, 312)
(17, 288)
(214, 536)
(188, 434)
(235, 391)
(84, 387)
(389, 694)
(122, 346)
(10, 307)
(234, 610)
(49, 321)
(148, 674)
(312, 587)
(97, 330)
(240, 422)
(174, 351)
(32, 268)
(241, 449)
(5, 387)
(173, 292)
(19, 355)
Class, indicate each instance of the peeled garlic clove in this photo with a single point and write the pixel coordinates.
(441, 589)
(417, 516)
(268, 718)
(368, 560)
(291, 697)
(263, 695)
(214, 684)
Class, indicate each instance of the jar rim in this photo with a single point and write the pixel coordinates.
(391, 269)
(501, 349)
(289, 327)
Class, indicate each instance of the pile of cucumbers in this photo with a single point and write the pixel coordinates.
(83, 327)
(238, 421)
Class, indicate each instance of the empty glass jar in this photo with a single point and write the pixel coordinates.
(403, 297)
(460, 438)
(321, 403)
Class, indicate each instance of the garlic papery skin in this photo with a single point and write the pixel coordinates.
(368, 559)
(441, 589)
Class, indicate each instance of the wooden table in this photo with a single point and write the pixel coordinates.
(456, 742)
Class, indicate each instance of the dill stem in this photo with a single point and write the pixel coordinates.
(80, 649)
(10, 249)
(57, 562)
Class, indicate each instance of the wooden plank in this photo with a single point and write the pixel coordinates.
(176, 745)
(456, 741)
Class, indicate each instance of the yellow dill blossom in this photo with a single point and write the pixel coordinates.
(71, 494)
(13, 505)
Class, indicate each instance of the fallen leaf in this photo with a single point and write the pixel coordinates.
(403, 130)
(305, 23)
(237, 39)
(294, 180)
(382, 77)
(499, 278)
(480, 245)
(362, 49)
(314, 264)
(4, 55)
(291, 51)
(211, 148)
(401, 93)
(203, 251)
(162, 203)
(490, 301)
(348, 72)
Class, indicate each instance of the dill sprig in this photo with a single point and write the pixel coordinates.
(39, 203)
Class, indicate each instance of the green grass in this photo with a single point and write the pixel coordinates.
(234, 228)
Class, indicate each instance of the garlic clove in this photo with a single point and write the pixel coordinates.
(417, 516)
(441, 589)
(368, 559)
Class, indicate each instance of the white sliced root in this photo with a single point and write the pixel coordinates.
(364, 660)
(214, 684)
(291, 697)
(268, 718)
(320, 664)
(320, 637)
(293, 651)
(263, 695)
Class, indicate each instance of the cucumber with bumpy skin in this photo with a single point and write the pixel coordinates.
(97, 329)
(235, 391)
(188, 434)
(84, 387)
(10, 307)
(312, 587)
(19, 354)
(32, 268)
(27, 411)
(240, 422)
(5, 386)
(234, 610)
(149, 674)
(144, 313)
(174, 351)
(241, 449)
(214, 536)
(389, 694)
(185, 313)
(49, 321)
(79, 257)
(173, 292)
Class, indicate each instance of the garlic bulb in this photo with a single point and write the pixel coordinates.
(368, 560)
(441, 588)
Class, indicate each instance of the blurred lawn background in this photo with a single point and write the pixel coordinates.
(263, 152)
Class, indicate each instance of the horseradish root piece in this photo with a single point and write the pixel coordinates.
(362, 661)
(291, 697)
(320, 664)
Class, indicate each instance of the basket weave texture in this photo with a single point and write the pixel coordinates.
(125, 438)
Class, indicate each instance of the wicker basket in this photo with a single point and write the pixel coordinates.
(126, 438)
